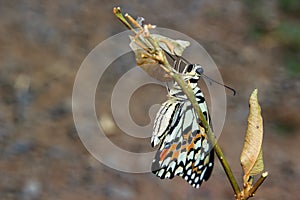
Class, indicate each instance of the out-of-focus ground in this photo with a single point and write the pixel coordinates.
(256, 44)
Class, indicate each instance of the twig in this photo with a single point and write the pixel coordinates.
(191, 96)
(257, 184)
(160, 57)
(118, 13)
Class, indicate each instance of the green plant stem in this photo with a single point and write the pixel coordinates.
(191, 96)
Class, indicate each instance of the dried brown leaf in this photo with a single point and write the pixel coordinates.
(151, 66)
(174, 47)
(258, 165)
(251, 157)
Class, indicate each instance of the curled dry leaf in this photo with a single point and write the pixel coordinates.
(151, 66)
(251, 157)
(174, 47)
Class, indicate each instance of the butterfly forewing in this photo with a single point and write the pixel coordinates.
(163, 120)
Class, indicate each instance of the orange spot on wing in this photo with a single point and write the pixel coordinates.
(191, 146)
(195, 169)
(163, 154)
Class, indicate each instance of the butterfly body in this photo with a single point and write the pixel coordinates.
(184, 149)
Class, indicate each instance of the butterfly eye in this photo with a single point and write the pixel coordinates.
(199, 70)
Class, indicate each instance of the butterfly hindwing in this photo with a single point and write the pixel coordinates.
(184, 149)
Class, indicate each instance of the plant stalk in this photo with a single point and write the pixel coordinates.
(191, 96)
(258, 184)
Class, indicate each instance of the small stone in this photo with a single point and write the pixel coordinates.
(59, 111)
(19, 147)
(32, 190)
(57, 152)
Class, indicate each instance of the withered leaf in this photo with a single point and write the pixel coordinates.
(151, 66)
(258, 165)
(251, 157)
(174, 47)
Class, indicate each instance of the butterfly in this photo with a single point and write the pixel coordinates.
(184, 149)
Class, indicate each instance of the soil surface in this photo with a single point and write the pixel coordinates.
(255, 44)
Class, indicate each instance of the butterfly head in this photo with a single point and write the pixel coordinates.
(193, 71)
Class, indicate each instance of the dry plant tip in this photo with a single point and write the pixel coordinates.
(133, 21)
(265, 174)
(116, 10)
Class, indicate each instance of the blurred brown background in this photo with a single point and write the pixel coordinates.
(256, 44)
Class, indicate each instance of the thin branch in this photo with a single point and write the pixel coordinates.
(160, 57)
(258, 184)
(119, 15)
(191, 96)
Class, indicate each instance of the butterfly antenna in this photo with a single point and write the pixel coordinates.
(173, 57)
(229, 88)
